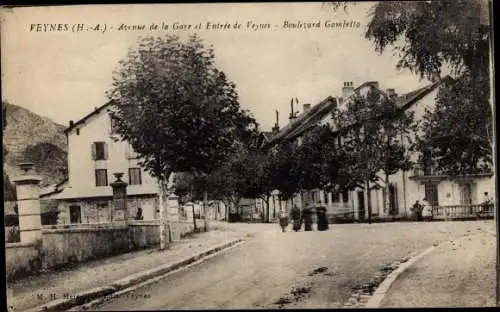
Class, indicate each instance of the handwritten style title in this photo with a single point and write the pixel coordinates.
(179, 26)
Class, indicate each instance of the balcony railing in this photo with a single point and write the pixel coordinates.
(423, 171)
(463, 212)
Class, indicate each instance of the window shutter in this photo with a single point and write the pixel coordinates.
(93, 151)
(105, 147)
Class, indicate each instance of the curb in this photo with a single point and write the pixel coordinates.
(381, 291)
(375, 300)
(95, 293)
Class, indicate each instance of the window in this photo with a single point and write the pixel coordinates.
(336, 197)
(345, 196)
(113, 123)
(431, 193)
(99, 151)
(75, 214)
(134, 176)
(101, 177)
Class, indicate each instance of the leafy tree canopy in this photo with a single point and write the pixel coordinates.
(177, 110)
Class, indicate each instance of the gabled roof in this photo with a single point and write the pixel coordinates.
(405, 101)
(268, 135)
(95, 112)
(317, 112)
(306, 120)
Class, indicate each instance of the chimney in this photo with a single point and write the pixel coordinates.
(293, 114)
(276, 127)
(306, 107)
(391, 93)
(71, 123)
(374, 83)
(347, 90)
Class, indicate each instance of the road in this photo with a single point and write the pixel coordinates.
(271, 264)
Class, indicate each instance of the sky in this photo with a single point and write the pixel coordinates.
(63, 75)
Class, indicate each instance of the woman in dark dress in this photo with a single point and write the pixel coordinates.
(296, 218)
(283, 217)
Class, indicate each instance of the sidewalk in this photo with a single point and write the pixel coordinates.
(38, 290)
(460, 273)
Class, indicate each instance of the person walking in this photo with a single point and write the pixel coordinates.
(283, 219)
(296, 218)
(416, 210)
(426, 210)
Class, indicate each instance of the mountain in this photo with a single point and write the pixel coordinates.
(30, 137)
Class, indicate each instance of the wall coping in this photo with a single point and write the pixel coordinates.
(20, 245)
(84, 229)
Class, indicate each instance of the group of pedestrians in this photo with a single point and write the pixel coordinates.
(305, 216)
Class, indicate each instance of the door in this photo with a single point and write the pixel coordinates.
(431, 193)
(361, 205)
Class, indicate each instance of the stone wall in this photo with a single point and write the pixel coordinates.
(66, 246)
(62, 245)
(98, 210)
(21, 259)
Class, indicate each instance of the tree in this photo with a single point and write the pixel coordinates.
(434, 35)
(458, 132)
(284, 169)
(397, 128)
(177, 110)
(372, 141)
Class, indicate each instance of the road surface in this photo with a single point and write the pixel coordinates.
(272, 264)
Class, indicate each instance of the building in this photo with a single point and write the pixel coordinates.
(404, 187)
(94, 155)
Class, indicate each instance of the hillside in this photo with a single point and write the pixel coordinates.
(30, 137)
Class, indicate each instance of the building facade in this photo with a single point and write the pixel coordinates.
(94, 155)
(405, 187)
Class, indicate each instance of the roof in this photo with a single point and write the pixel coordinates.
(317, 112)
(53, 189)
(304, 121)
(268, 135)
(95, 112)
(405, 101)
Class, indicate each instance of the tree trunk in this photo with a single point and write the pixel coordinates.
(194, 219)
(205, 211)
(387, 200)
(164, 222)
(369, 202)
(267, 210)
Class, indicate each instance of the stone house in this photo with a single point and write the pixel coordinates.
(94, 155)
